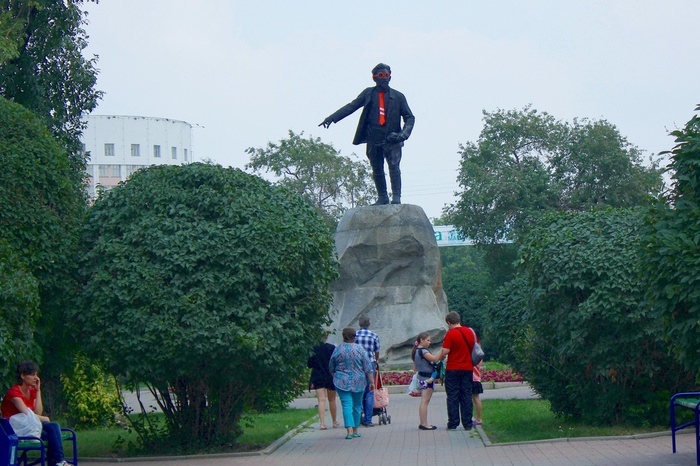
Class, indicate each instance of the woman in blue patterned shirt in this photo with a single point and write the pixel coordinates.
(352, 370)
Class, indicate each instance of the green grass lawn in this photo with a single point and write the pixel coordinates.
(524, 420)
(266, 429)
(494, 366)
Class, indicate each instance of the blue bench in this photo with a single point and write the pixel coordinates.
(31, 451)
(8, 443)
(688, 400)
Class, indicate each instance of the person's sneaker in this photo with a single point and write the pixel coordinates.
(451, 428)
(423, 384)
(368, 424)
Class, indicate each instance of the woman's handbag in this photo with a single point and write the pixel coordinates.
(381, 394)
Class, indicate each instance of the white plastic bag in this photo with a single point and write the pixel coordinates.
(26, 425)
(413, 387)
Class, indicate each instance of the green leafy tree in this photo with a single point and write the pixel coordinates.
(466, 281)
(598, 167)
(526, 163)
(674, 248)
(585, 336)
(209, 285)
(306, 166)
(42, 205)
(12, 18)
(43, 69)
(470, 275)
(42, 66)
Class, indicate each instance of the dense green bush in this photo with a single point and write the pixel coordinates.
(506, 319)
(208, 285)
(19, 301)
(673, 247)
(91, 395)
(584, 335)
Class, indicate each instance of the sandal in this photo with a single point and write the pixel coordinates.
(348, 437)
(323, 428)
(336, 424)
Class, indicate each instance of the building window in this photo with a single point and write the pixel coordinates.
(156, 151)
(174, 151)
(115, 171)
(185, 154)
(135, 150)
(109, 149)
(130, 169)
(103, 170)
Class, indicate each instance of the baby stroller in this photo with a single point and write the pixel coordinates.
(381, 400)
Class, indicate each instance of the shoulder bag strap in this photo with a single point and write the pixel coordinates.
(467, 341)
(422, 353)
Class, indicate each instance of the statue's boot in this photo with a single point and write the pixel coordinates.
(395, 176)
(380, 184)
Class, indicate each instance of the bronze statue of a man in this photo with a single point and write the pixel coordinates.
(380, 128)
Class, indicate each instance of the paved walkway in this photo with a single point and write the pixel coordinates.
(402, 444)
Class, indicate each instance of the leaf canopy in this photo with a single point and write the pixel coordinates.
(526, 163)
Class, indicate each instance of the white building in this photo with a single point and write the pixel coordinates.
(120, 145)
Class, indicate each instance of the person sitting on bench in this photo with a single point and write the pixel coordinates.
(26, 396)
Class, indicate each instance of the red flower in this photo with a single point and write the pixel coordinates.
(404, 377)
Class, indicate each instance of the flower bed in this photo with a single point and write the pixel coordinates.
(404, 377)
(505, 375)
(397, 377)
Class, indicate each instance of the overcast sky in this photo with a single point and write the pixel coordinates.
(246, 72)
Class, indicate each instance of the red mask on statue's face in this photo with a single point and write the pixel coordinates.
(382, 78)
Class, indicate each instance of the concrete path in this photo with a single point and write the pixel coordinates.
(401, 443)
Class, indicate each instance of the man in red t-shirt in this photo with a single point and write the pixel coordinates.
(457, 346)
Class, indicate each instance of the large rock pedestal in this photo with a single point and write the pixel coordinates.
(390, 269)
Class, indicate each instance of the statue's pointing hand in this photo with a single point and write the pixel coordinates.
(326, 123)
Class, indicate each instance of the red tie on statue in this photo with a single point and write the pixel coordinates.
(382, 112)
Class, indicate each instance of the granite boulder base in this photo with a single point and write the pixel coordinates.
(390, 269)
